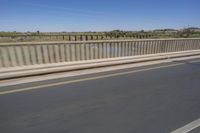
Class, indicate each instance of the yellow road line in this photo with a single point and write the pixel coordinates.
(84, 79)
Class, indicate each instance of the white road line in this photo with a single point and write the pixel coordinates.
(84, 79)
(189, 127)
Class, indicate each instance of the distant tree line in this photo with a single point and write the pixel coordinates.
(159, 33)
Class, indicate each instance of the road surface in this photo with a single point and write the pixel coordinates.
(150, 99)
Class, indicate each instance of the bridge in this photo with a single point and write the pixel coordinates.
(143, 86)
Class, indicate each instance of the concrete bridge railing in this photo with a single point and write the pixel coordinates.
(35, 53)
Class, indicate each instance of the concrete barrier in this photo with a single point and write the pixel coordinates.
(31, 58)
(30, 53)
(16, 72)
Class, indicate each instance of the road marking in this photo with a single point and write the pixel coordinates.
(84, 79)
(189, 127)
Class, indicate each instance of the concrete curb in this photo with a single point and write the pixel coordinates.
(16, 72)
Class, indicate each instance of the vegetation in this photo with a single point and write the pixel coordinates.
(190, 32)
(2, 34)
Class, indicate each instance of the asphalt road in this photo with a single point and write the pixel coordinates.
(152, 101)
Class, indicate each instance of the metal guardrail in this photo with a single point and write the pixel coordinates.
(34, 53)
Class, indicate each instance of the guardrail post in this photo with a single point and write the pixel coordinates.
(26, 54)
(19, 56)
(11, 50)
(62, 53)
(4, 57)
(73, 54)
(82, 51)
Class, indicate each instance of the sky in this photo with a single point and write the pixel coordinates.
(97, 15)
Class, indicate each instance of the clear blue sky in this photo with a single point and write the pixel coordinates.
(97, 15)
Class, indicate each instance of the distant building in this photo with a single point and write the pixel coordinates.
(166, 31)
